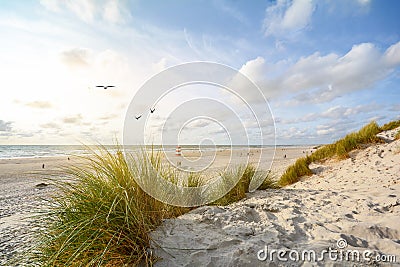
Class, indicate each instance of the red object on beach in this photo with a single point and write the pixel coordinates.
(178, 151)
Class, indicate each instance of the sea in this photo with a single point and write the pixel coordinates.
(36, 151)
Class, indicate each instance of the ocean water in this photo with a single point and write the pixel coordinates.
(34, 151)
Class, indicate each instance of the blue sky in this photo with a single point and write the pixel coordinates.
(326, 67)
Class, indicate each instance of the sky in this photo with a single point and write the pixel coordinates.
(325, 67)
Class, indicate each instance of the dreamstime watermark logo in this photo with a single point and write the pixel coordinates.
(340, 253)
(206, 105)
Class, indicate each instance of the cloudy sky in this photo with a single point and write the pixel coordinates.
(326, 67)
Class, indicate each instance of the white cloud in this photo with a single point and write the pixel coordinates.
(199, 123)
(298, 15)
(321, 78)
(50, 125)
(51, 5)
(335, 113)
(254, 68)
(325, 130)
(288, 17)
(39, 104)
(112, 11)
(364, 2)
(84, 9)
(227, 8)
(160, 65)
(395, 107)
(392, 55)
(293, 132)
(75, 119)
(337, 128)
(76, 57)
(5, 126)
(377, 118)
(115, 13)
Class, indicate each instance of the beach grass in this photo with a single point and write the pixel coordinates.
(390, 125)
(102, 217)
(235, 193)
(339, 150)
(270, 182)
(239, 191)
(295, 171)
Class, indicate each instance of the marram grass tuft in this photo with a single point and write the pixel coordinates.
(340, 149)
(101, 217)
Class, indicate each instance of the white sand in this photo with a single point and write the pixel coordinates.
(223, 158)
(20, 196)
(357, 199)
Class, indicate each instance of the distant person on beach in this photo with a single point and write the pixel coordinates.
(284, 156)
(43, 166)
(68, 158)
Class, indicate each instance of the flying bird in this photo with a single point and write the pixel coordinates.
(152, 110)
(138, 117)
(105, 86)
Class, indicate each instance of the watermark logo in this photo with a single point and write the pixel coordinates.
(341, 243)
(339, 254)
(187, 112)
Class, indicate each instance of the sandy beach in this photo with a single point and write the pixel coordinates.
(356, 199)
(266, 114)
(348, 205)
(21, 193)
(22, 188)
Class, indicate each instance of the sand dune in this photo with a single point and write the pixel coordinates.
(357, 200)
(23, 187)
(351, 205)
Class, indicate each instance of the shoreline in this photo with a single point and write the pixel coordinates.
(334, 203)
(20, 195)
(167, 149)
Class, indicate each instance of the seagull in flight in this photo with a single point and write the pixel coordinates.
(105, 86)
(138, 117)
(152, 110)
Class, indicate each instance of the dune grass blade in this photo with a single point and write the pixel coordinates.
(390, 125)
(397, 135)
(100, 216)
(239, 191)
(339, 149)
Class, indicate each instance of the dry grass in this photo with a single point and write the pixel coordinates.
(239, 191)
(397, 136)
(270, 182)
(339, 149)
(390, 125)
(101, 217)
